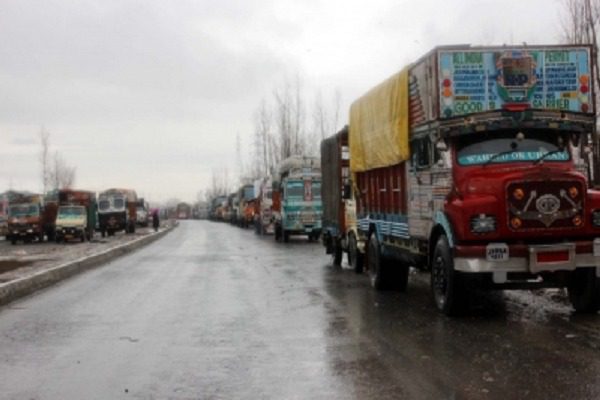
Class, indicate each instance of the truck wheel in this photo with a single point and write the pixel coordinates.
(337, 253)
(584, 290)
(355, 258)
(378, 267)
(103, 233)
(13, 241)
(277, 233)
(286, 236)
(445, 281)
(41, 237)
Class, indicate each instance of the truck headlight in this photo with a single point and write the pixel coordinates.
(596, 218)
(483, 223)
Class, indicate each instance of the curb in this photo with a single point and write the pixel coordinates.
(22, 287)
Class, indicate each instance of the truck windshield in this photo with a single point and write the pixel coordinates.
(24, 210)
(316, 190)
(71, 212)
(103, 205)
(505, 147)
(295, 189)
(119, 203)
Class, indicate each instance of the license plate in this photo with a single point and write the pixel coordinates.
(307, 230)
(496, 252)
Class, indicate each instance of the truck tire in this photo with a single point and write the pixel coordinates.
(447, 292)
(584, 290)
(378, 267)
(277, 233)
(103, 233)
(286, 236)
(337, 253)
(355, 258)
(400, 276)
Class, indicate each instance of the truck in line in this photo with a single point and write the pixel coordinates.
(299, 210)
(474, 163)
(30, 217)
(76, 215)
(264, 222)
(340, 232)
(245, 209)
(142, 211)
(117, 211)
(3, 214)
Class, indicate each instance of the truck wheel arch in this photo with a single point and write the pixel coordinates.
(441, 227)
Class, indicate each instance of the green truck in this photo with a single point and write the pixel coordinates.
(298, 208)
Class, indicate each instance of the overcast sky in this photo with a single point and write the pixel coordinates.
(151, 94)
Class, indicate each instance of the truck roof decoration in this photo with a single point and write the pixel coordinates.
(514, 79)
(299, 166)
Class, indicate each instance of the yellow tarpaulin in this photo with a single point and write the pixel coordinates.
(379, 125)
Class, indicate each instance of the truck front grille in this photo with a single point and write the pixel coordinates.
(545, 205)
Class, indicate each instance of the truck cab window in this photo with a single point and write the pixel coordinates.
(421, 149)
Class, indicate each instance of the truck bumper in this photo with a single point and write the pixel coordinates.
(527, 258)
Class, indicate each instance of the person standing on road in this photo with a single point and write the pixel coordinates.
(155, 221)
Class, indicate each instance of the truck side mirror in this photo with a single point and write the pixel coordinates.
(441, 146)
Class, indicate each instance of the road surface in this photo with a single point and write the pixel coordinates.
(212, 311)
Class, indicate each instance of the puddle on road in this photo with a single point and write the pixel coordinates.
(9, 265)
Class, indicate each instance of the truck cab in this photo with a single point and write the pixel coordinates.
(478, 167)
(300, 206)
(71, 223)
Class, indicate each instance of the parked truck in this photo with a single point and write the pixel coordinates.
(76, 215)
(117, 211)
(298, 212)
(473, 162)
(30, 217)
(3, 214)
(340, 232)
(245, 209)
(263, 218)
(142, 211)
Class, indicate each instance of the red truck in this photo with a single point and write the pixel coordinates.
(30, 216)
(474, 163)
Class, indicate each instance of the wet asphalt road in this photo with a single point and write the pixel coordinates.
(214, 312)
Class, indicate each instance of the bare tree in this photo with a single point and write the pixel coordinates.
(262, 131)
(56, 173)
(44, 158)
(219, 184)
(62, 174)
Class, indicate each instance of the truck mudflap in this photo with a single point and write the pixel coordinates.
(504, 258)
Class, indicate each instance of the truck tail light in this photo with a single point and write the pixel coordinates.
(577, 221)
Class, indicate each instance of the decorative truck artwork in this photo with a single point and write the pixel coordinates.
(480, 80)
(475, 163)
